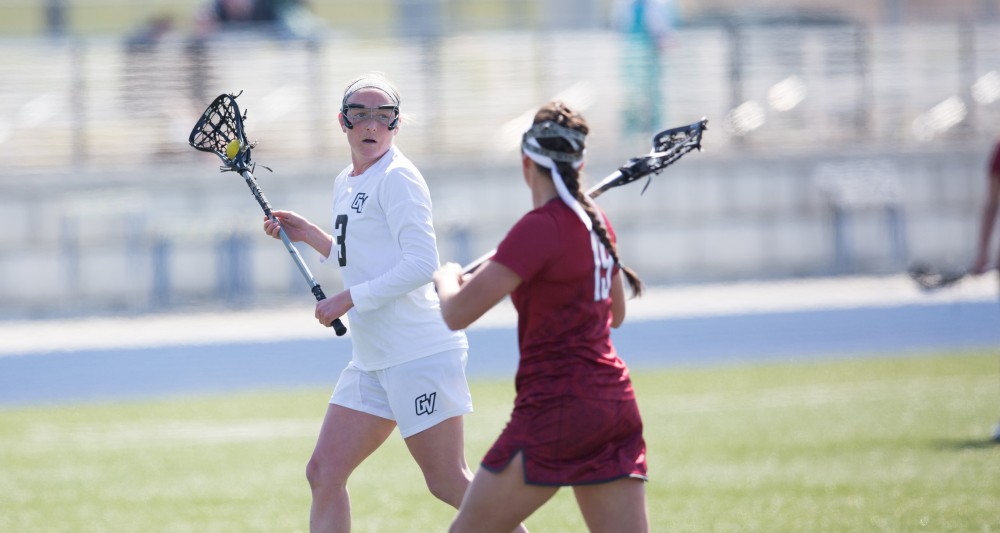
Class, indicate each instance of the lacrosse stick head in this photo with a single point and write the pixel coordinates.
(668, 147)
(688, 136)
(220, 124)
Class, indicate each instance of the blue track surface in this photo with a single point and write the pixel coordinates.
(105, 375)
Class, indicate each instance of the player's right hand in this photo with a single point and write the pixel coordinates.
(293, 224)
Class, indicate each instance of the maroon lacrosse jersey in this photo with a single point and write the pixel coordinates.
(575, 418)
(564, 307)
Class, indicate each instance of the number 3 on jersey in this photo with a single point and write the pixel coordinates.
(341, 239)
(603, 268)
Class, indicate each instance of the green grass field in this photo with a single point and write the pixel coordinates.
(872, 444)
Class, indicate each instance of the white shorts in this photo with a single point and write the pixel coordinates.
(417, 394)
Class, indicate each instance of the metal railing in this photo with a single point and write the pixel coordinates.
(98, 180)
(99, 102)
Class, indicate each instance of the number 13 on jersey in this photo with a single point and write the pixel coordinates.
(603, 268)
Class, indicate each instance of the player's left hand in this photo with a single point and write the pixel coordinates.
(449, 276)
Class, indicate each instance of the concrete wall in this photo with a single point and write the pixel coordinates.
(181, 241)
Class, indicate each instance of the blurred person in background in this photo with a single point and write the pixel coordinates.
(149, 74)
(575, 420)
(246, 19)
(55, 17)
(279, 18)
(982, 263)
(407, 369)
(646, 26)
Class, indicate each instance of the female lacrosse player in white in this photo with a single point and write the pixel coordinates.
(575, 420)
(407, 368)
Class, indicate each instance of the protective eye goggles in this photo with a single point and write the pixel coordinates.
(356, 113)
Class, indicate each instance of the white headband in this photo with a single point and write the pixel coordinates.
(371, 83)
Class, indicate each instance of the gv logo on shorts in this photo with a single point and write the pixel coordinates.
(425, 403)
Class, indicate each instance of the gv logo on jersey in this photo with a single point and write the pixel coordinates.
(359, 202)
(425, 403)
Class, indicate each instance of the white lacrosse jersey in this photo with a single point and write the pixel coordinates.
(385, 246)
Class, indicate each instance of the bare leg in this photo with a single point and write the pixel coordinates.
(499, 502)
(440, 453)
(615, 507)
(345, 440)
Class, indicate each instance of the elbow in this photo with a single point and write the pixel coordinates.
(617, 315)
(417, 269)
(423, 265)
(454, 323)
(452, 319)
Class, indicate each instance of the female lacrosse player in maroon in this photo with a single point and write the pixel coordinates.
(988, 218)
(575, 420)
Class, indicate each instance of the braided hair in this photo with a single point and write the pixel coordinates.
(558, 113)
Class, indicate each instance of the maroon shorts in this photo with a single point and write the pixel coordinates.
(573, 441)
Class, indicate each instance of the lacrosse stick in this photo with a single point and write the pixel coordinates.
(931, 279)
(220, 131)
(668, 146)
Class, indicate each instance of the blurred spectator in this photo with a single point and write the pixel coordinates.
(144, 76)
(152, 86)
(279, 19)
(149, 33)
(423, 19)
(282, 18)
(647, 26)
(55, 17)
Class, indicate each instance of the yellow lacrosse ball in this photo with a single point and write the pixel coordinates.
(233, 148)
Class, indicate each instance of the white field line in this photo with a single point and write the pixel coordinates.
(168, 432)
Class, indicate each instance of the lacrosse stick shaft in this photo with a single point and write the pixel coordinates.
(317, 291)
(604, 185)
(607, 183)
(652, 163)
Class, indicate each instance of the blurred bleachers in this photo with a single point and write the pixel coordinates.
(109, 209)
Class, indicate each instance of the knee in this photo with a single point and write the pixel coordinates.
(438, 489)
(313, 472)
(448, 488)
(321, 474)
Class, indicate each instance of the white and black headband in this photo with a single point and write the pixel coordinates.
(547, 159)
(370, 82)
(551, 130)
